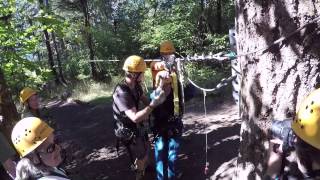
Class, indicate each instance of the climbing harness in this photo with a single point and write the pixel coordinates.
(124, 131)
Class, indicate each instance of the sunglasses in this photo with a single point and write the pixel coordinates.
(50, 149)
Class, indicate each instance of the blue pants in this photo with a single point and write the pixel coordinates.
(166, 152)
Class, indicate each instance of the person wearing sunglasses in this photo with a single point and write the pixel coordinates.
(40, 155)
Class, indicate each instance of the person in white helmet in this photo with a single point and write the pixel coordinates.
(34, 141)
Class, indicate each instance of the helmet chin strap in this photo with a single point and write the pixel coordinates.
(134, 77)
(137, 76)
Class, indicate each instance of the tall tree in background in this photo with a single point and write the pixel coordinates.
(274, 81)
(219, 16)
(83, 7)
(88, 36)
(49, 49)
(58, 56)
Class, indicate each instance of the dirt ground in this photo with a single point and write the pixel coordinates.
(85, 131)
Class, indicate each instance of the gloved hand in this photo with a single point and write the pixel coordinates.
(158, 98)
(155, 93)
(163, 74)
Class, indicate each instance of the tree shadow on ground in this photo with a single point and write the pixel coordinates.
(86, 133)
(223, 144)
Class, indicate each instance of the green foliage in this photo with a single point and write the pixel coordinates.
(215, 43)
(118, 29)
(176, 24)
(207, 76)
(21, 30)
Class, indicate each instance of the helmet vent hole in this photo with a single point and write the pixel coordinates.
(306, 107)
(312, 102)
(26, 134)
(299, 120)
(311, 111)
(301, 126)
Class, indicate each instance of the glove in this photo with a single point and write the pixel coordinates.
(163, 74)
(158, 98)
(155, 93)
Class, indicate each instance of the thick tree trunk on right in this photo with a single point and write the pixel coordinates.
(274, 82)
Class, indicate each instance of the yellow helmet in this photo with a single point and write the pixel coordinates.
(26, 93)
(167, 47)
(307, 121)
(134, 64)
(28, 134)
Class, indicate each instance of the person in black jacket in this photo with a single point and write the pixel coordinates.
(128, 116)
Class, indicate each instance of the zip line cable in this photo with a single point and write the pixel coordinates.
(218, 56)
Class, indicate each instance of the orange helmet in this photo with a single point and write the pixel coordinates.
(167, 47)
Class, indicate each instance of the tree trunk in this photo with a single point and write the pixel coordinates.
(274, 82)
(61, 77)
(210, 16)
(50, 57)
(7, 108)
(219, 16)
(88, 36)
(64, 49)
(47, 41)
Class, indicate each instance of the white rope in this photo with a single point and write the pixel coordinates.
(222, 83)
(205, 128)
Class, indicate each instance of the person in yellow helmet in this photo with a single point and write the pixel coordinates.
(31, 105)
(128, 114)
(168, 124)
(34, 141)
(304, 138)
(30, 101)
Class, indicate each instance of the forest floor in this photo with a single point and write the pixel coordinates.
(85, 131)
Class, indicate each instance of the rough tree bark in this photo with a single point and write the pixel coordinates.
(275, 81)
(8, 108)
